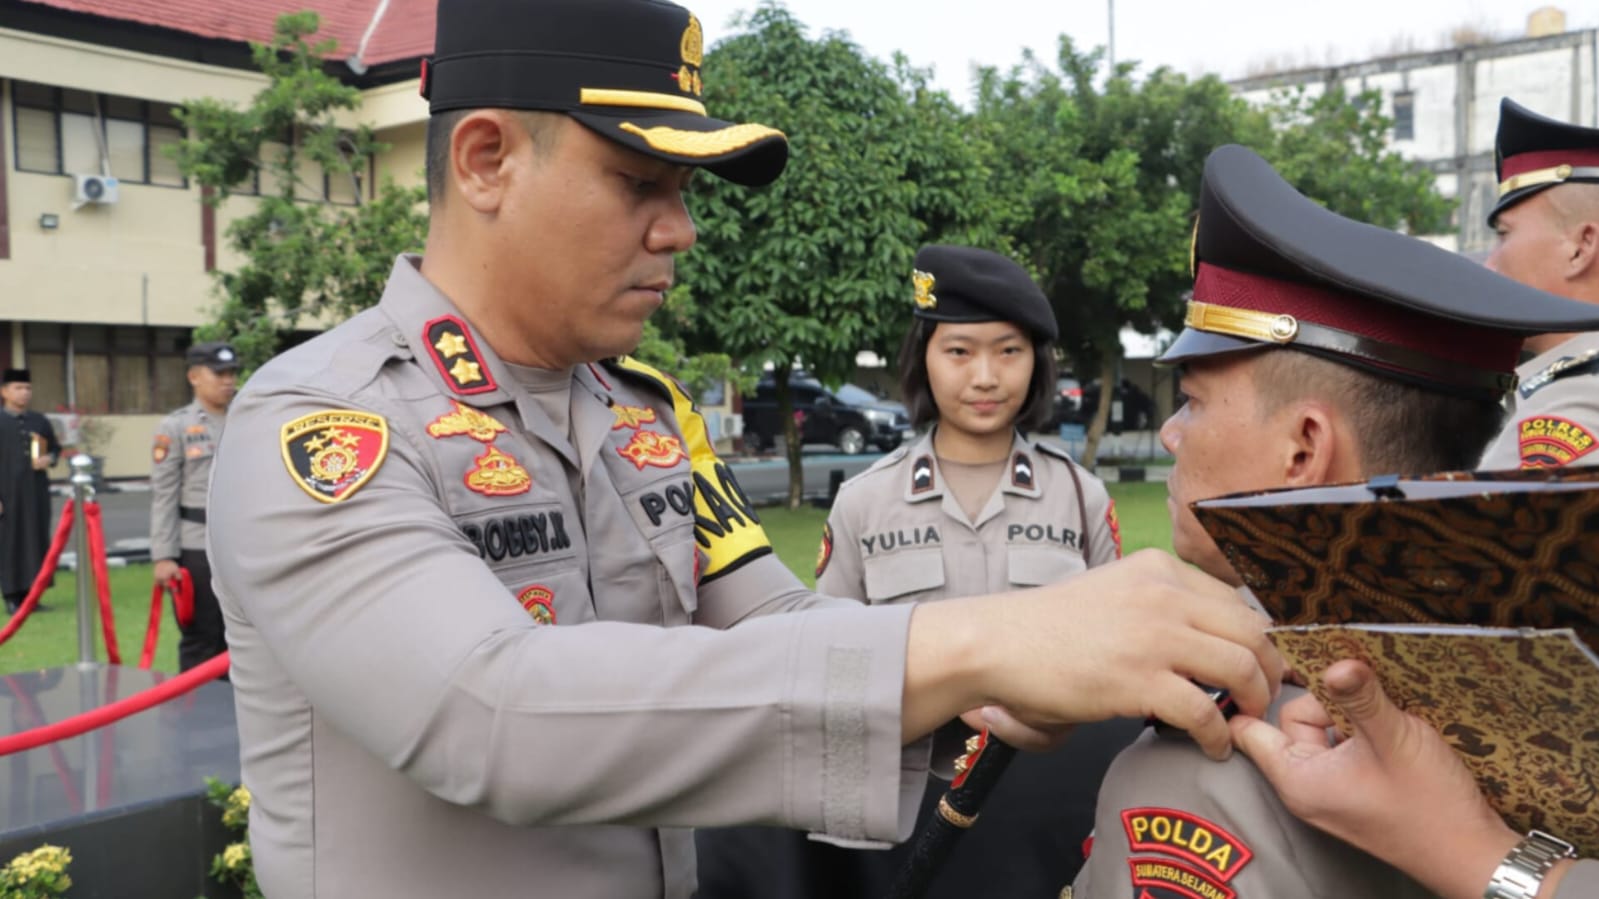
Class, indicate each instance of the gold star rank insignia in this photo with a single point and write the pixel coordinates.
(925, 298)
(632, 417)
(455, 354)
(463, 419)
(332, 453)
(465, 372)
(451, 345)
(496, 474)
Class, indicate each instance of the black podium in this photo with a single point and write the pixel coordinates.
(128, 799)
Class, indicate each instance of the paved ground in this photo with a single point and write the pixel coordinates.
(125, 506)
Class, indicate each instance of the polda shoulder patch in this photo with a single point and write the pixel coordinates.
(333, 453)
(1205, 847)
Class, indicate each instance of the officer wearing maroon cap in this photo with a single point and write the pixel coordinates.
(459, 544)
(1317, 350)
(1547, 222)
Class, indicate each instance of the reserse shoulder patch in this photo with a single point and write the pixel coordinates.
(332, 453)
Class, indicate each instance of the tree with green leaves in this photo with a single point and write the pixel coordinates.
(306, 262)
(1105, 175)
(816, 267)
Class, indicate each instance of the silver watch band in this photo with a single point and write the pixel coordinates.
(1522, 872)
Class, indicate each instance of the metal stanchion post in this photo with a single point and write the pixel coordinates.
(82, 491)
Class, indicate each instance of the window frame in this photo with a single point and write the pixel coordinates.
(57, 106)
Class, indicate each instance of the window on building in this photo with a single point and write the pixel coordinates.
(100, 369)
(61, 131)
(312, 182)
(1405, 115)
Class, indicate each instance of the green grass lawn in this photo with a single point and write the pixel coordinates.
(50, 638)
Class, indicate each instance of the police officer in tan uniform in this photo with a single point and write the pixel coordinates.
(1309, 336)
(970, 507)
(180, 471)
(1547, 219)
(458, 543)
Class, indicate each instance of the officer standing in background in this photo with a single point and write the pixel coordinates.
(410, 513)
(1317, 350)
(970, 507)
(25, 526)
(180, 472)
(1547, 219)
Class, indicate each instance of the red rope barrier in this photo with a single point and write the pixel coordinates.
(86, 721)
(96, 563)
(47, 570)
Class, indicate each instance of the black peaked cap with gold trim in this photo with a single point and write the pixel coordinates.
(965, 284)
(627, 69)
(1273, 268)
(1533, 152)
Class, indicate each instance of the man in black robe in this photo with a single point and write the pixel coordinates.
(28, 447)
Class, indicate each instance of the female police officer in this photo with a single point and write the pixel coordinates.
(971, 507)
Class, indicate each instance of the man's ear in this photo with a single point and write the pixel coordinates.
(1584, 258)
(480, 148)
(1312, 445)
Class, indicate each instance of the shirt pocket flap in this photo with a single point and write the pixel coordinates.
(1035, 566)
(896, 575)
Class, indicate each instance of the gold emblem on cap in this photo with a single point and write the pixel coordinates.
(1246, 323)
(1193, 251)
(1552, 175)
(701, 144)
(693, 42)
(925, 298)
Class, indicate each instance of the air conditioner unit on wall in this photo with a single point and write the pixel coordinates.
(95, 189)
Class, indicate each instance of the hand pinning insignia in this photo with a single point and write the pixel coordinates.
(331, 454)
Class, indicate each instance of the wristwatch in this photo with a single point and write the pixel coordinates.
(1522, 872)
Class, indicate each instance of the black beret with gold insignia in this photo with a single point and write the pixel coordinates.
(965, 284)
(1532, 152)
(627, 69)
(1275, 269)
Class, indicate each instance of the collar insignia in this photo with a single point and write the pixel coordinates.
(632, 417)
(332, 453)
(456, 356)
(496, 474)
(466, 420)
(922, 474)
(1021, 471)
(651, 448)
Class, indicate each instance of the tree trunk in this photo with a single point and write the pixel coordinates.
(1107, 395)
(793, 443)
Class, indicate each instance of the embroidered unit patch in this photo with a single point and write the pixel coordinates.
(496, 474)
(332, 453)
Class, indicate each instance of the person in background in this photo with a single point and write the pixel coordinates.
(180, 471)
(970, 507)
(25, 526)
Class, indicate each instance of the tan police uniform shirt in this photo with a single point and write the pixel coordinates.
(180, 469)
(1555, 421)
(897, 535)
(461, 658)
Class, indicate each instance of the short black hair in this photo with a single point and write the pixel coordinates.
(917, 393)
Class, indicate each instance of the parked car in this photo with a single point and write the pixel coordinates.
(851, 418)
(1068, 401)
(1131, 409)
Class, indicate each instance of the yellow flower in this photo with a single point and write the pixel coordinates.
(236, 856)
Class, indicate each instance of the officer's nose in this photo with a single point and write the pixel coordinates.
(1171, 432)
(673, 230)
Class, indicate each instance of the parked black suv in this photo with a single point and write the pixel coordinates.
(851, 419)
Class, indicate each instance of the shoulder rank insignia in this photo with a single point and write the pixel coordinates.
(539, 602)
(331, 453)
(1212, 856)
(651, 448)
(1021, 471)
(464, 419)
(455, 353)
(496, 474)
(1550, 441)
(922, 474)
(824, 553)
(1565, 365)
(163, 446)
(632, 417)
